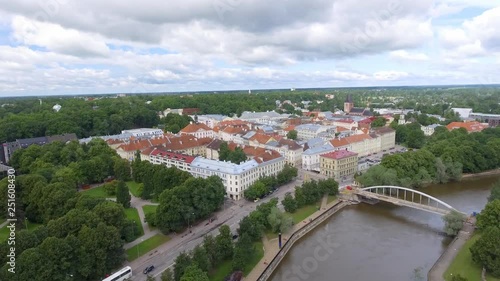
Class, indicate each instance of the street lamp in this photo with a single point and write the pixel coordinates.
(142, 240)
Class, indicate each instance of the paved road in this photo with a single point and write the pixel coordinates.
(164, 256)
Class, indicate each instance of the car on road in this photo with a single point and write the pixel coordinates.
(148, 269)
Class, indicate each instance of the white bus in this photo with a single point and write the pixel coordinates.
(120, 275)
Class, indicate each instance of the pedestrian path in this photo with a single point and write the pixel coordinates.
(271, 248)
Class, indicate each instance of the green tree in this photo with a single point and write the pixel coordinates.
(486, 249)
(490, 215)
(224, 242)
(200, 257)
(194, 273)
(110, 188)
(289, 203)
(379, 122)
(453, 222)
(182, 262)
(257, 190)
(211, 249)
(122, 194)
(167, 275)
(278, 221)
(121, 169)
(243, 252)
(292, 135)
(495, 192)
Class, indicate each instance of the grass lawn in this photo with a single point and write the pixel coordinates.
(134, 188)
(5, 232)
(463, 265)
(330, 198)
(132, 214)
(146, 246)
(98, 192)
(304, 212)
(225, 268)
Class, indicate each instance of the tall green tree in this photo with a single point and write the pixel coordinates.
(224, 242)
(490, 215)
(453, 222)
(182, 262)
(495, 192)
(122, 194)
(485, 251)
(194, 273)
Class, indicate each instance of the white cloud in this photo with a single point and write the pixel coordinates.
(94, 44)
(58, 39)
(404, 55)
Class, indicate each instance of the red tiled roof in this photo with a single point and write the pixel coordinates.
(191, 128)
(339, 154)
(172, 155)
(469, 126)
(261, 138)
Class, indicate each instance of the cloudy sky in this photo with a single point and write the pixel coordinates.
(96, 46)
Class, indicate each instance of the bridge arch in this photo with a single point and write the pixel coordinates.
(433, 204)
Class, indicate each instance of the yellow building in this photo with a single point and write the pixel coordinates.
(340, 164)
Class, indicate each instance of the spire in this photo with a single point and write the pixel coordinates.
(348, 99)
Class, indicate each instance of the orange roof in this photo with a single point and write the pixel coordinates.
(113, 141)
(348, 140)
(469, 126)
(261, 138)
(135, 145)
(191, 128)
(342, 129)
(289, 128)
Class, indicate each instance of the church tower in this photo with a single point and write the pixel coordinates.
(348, 104)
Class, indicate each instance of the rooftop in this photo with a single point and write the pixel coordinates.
(223, 166)
(339, 154)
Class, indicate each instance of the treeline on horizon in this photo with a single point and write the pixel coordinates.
(26, 118)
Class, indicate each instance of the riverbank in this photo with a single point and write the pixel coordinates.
(482, 174)
(436, 273)
(273, 254)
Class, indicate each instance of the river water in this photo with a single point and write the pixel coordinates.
(381, 242)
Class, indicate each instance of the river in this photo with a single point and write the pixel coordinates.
(381, 242)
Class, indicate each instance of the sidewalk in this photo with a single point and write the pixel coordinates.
(271, 248)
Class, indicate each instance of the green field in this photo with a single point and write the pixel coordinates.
(134, 188)
(132, 214)
(4, 231)
(98, 192)
(146, 246)
(304, 212)
(463, 264)
(225, 268)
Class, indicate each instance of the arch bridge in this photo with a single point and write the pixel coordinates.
(407, 197)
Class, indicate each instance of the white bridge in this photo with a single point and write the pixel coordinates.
(407, 197)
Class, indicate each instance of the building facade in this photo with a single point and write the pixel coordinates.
(339, 165)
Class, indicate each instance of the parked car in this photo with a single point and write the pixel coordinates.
(148, 269)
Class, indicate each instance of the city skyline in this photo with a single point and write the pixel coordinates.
(59, 47)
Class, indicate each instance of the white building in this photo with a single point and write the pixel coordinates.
(236, 178)
(429, 130)
(310, 131)
(464, 113)
(310, 157)
(143, 132)
(269, 117)
(211, 120)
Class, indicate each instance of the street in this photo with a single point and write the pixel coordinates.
(164, 256)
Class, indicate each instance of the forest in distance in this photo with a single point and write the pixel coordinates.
(104, 115)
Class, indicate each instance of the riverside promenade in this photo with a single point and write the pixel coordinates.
(436, 273)
(273, 255)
